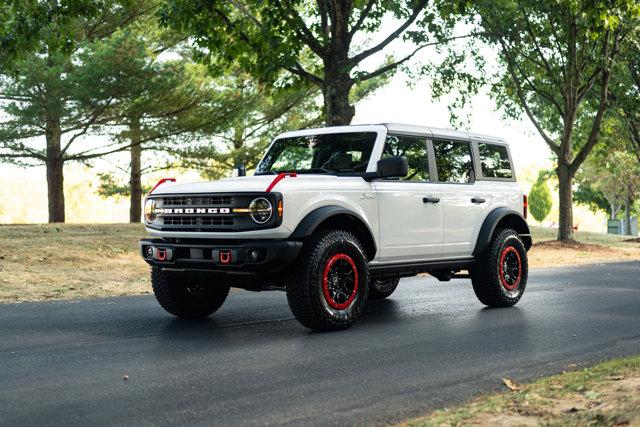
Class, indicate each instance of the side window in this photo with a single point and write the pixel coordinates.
(453, 159)
(414, 149)
(495, 161)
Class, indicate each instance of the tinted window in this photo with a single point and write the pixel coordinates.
(328, 153)
(453, 159)
(495, 161)
(414, 149)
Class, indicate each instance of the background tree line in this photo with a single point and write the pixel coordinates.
(163, 79)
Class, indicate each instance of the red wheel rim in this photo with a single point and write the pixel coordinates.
(340, 281)
(510, 268)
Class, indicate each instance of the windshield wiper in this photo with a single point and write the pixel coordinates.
(318, 170)
(269, 172)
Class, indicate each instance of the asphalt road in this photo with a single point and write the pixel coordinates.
(430, 345)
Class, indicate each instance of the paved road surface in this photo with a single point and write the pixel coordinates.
(430, 345)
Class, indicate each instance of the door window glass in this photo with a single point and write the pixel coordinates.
(414, 149)
(453, 159)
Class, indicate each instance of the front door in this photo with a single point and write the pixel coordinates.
(410, 207)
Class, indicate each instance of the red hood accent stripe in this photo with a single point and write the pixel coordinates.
(279, 178)
(162, 181)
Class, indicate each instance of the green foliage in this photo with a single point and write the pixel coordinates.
(111, 186)
(58, 89)
(612, 174)
(585, 194)
(311, 41)
(540, 200)
(555, 62)
(25, 23)
(263, 112)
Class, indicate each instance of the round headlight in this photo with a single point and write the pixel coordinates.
(260, 210)
(150, 210)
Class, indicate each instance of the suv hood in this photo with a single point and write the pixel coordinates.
(246, 184)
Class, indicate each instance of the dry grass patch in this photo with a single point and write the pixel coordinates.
(65, 261)
(605, 395)
(589, 248)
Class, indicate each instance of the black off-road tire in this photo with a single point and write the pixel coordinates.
(309, 279)
(185, 296)
(493, 284)
(382, 288)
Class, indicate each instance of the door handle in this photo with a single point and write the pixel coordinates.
(430, 199)
(477, 200)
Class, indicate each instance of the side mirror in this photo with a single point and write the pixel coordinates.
(393, 167)
(239, 170)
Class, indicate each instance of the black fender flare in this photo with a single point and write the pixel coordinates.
(513, 218)
(313, 219)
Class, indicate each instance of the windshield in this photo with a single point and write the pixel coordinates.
(333, 153)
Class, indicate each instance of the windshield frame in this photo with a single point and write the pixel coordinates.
(379, 130)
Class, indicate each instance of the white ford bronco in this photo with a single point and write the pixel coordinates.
(337, 215)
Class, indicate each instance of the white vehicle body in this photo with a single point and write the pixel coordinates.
(405, 228)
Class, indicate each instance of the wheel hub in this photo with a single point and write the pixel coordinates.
(340, 281)
(510, 268)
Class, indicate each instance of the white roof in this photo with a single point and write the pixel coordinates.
(432, 132)
(438, 132)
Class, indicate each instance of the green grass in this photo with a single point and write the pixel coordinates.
(605, 394)
(541, 234)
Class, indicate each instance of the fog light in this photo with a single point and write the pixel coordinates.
(150, 251)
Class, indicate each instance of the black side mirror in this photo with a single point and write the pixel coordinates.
(239, 170)
(393, 167)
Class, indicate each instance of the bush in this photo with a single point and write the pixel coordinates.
(540, 200)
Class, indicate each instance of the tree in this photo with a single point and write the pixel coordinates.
(168, 103)
(55, 95)
(613, 173)
(23, 22)
(540, 200)
(265, 112)
(555, 62)
(316, 42)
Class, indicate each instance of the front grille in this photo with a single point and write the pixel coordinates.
(197, 220)
(210, 212)
(198, 201)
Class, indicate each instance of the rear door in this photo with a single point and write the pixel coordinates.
(410, 208)
(463, 206)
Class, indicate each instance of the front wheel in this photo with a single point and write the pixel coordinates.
(499, 276)
(186, 296)
(327, 289)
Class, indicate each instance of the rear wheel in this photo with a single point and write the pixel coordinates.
(186, 296)
(499, 276)
(327, 289)
(382, 288)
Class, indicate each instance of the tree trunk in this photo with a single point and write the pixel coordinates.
(55, 170)
(627, 213)
(565, 179)
(335, 90)
(135, 179)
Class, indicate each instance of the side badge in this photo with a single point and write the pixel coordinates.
(367, 196)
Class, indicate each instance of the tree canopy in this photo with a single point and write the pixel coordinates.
(555, 61)
(321, 42)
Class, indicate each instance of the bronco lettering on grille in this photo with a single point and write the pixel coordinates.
(180, 211)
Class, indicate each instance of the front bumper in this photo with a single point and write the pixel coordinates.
(252, 256)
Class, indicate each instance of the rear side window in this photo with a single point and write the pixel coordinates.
(495, 161)
(453, 159)
(414, 149)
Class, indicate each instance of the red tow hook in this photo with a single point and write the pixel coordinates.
(162, 255)
(225, 257)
